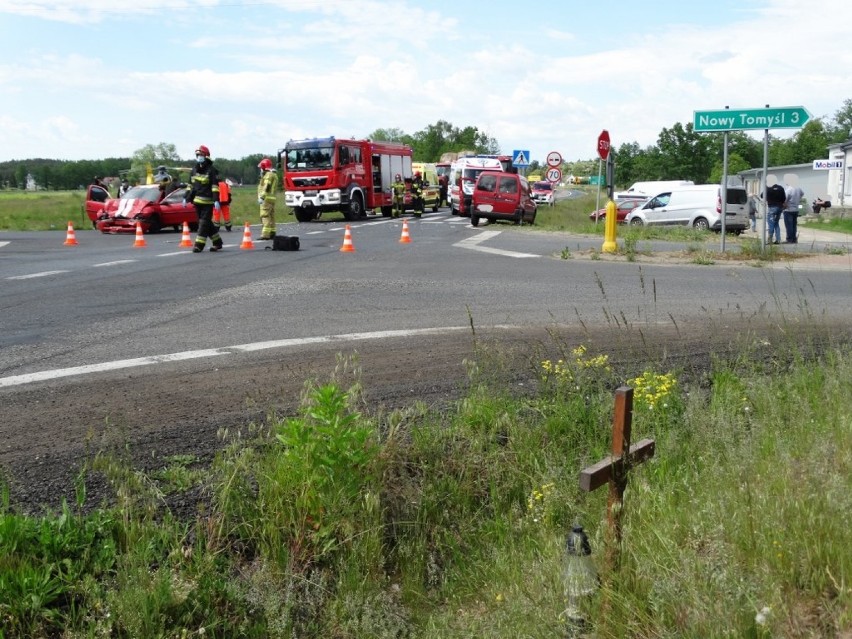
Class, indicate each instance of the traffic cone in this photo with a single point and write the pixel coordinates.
(406, 238)
(70, 238)
(347, 247)
(185, 239)
(247, 241)
(140, 238)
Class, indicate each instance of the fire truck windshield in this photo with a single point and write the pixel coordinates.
(309, 159)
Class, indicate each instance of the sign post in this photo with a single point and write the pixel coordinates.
(726, 120)
(603, 154)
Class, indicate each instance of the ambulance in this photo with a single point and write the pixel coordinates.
(463, 174)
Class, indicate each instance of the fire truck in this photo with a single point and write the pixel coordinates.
(354, 177)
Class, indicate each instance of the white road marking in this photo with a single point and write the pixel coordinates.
(2, 244)
(473, 242)
(41, 376)
(32, 275)
(114, 263)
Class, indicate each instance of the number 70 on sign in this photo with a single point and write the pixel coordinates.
(554, 175)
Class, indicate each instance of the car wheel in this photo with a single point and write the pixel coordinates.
(701, 224)
(474, 220)
(154, 224)
(435, 206)
(636, 221)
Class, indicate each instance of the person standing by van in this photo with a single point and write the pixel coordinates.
(775, 198)
(791, 212)
(752, 212)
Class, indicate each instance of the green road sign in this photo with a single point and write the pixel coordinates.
(742, 119)
(596, 179)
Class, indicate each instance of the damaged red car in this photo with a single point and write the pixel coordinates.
(147, 204)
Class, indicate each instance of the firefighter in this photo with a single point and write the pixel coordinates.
(417, 194)
(203, 192)
(398, 187)
(223, 214)
(266, 198)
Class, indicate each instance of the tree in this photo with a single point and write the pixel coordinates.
(735, 164)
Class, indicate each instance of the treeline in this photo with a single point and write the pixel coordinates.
(680, 153)
(67, 175)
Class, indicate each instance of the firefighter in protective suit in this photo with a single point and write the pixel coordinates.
(266, 198)
(417, 194)
(398, 188)
(203, 192)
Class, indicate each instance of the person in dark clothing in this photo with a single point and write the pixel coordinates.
(776, 196)
(203, 192)
(417, 194)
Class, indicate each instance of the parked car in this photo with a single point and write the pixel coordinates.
(502, 196)
(542, 193)
(699, 206)
(147, 205)
(622, 208)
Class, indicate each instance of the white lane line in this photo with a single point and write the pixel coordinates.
(114, 263)
(2, 244)
(32, 275)
(473, 242)
(41, 376)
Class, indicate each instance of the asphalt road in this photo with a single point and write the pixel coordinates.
(160, 350)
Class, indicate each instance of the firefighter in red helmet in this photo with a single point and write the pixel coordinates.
(203, 192)
(266, 198)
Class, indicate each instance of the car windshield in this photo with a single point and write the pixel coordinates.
(147, 192)
(309, 159)
(175, 197)
(542, 186)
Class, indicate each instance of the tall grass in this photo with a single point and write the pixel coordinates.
(339, 522)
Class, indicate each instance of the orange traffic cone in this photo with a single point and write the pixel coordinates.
(140, 238)
(185, 239)
(406, 238)
(70, 238)
(247, 241)
(347, 247)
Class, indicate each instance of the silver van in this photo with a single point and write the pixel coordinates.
(699, 206)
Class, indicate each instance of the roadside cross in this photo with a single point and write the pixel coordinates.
(614, 468)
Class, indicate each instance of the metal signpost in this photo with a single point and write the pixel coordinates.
(603, 154)
(727, 120)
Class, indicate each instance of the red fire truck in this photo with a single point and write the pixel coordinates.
(350, 176)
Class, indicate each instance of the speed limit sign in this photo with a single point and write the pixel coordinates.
(554, 175)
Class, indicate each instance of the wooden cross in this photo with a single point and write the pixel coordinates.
(614, 468)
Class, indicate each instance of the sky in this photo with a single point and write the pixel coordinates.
(93, 79)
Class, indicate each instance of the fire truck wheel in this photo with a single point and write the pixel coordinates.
(355, 211)
(387, 211)
(302, 214)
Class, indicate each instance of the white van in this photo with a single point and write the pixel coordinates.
(699, 206)
(644, 190)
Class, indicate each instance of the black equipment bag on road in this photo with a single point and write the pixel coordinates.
(285, 243)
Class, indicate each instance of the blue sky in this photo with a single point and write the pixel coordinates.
(90, 79)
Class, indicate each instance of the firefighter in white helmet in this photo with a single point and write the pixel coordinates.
(266, 198)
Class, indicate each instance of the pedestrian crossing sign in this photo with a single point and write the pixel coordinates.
(520, 158)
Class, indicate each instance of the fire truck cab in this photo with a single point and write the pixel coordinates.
(351, 176)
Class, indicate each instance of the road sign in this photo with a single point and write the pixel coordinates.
(595, 180)
(554, 175)
(827, 164)
(743, 119)
(520, 158)
(603, 144)
(554, 159)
